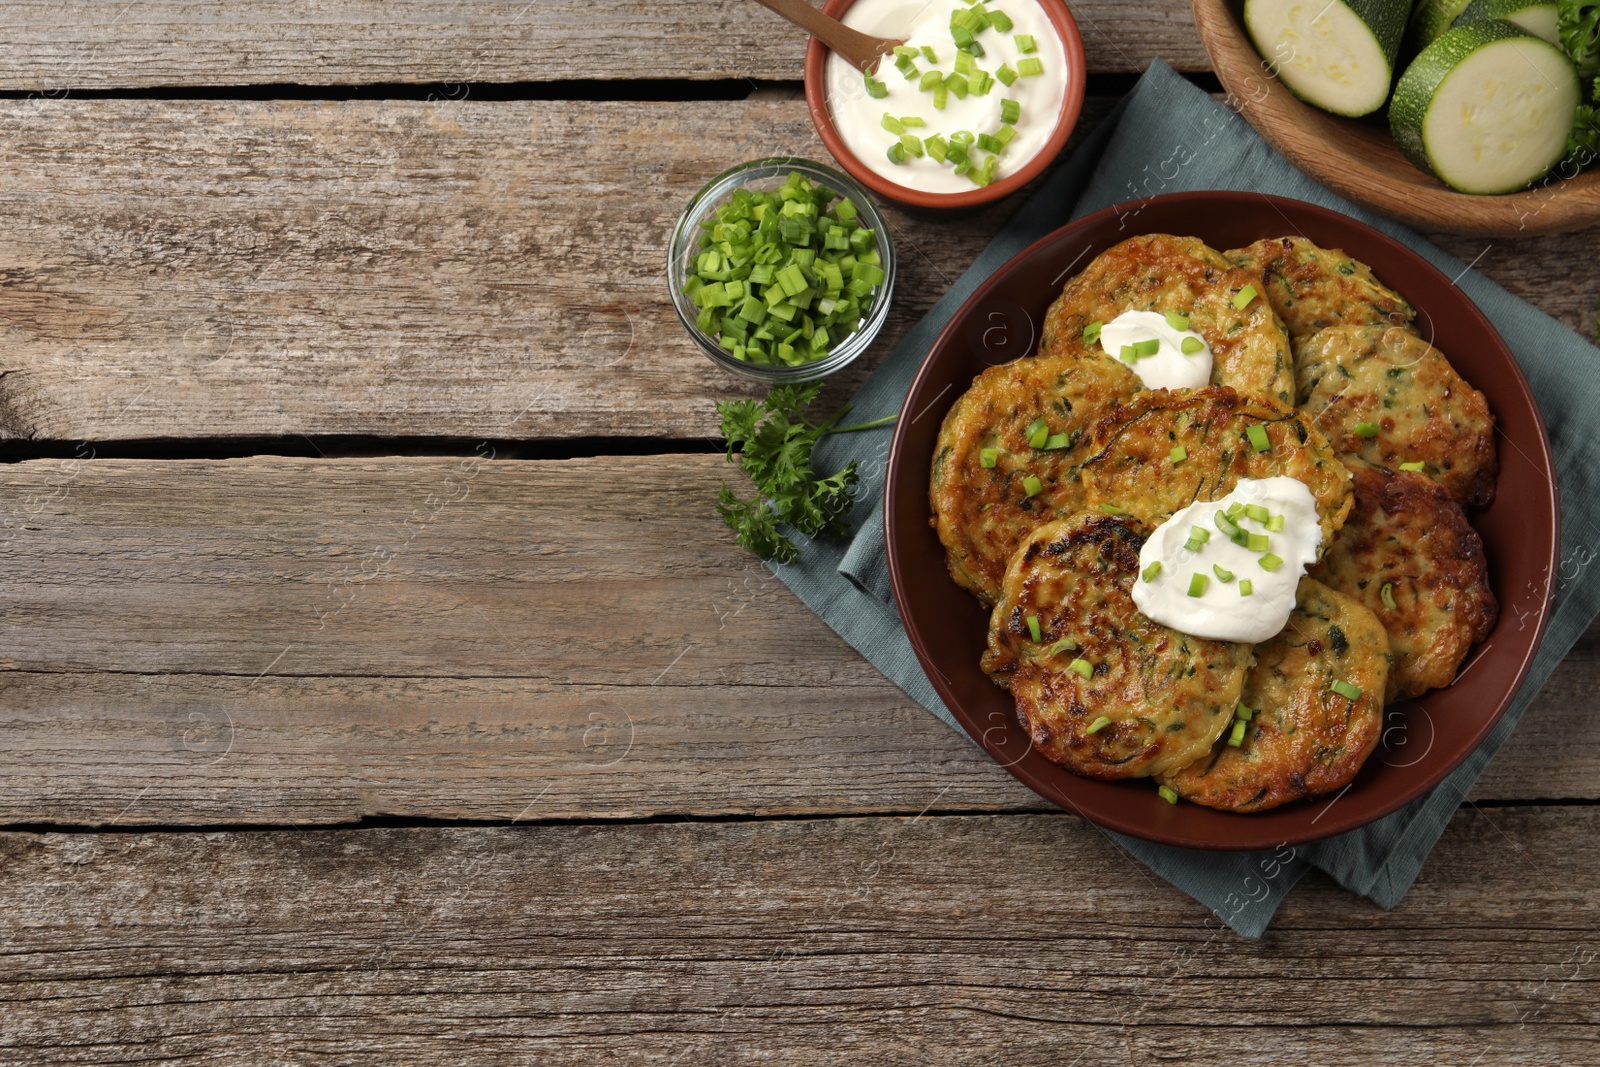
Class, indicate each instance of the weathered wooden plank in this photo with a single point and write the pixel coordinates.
(277, 641)
(1014, 939)
(113, 44)
(413, 268)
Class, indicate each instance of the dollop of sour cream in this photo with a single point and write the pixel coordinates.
(1170, 367)
(858, 117)
(1221, 612)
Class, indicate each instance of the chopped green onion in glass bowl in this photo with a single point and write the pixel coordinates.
(781, 269)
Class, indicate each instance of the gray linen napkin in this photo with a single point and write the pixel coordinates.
(1163, 119)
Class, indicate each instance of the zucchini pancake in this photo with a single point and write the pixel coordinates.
(1154, 446)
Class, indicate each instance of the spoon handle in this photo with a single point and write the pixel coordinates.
(859, 49)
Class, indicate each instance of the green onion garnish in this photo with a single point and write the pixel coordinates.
(897, 153)
(1197, 584)
(1275, 523)
(912, 144)
(1246, 587)
(1177, 320)
(1150, 572)
(988, 457)
(875, 88)
(1258, 437)
(1038, 433)
(1226, 525)
(1257, 512)
(1240, 711)
(1194, 546)
(1235, 509)
(1387, 593)
(1010, 111)
(1256, 542)
(1144, 349)
(929, 54)
(1099, 724)
(1091, 332)
(1271, 562)
(1033, 627)
(892, 124)
(1111, 509)
(1081, 667)
(1026, 43)
(1128, 355)
(911, 122)
(1177, 453)
(1345, 689)
(1006, 75)
(1415, 465)
(1236, 738)
(1057, 441)
(1222, 575)
(1168, 795)
(1001, 21)
(1242, 298)
(1030, 67)
(1199, 533)
(1066, 644)
(1191, 345)
(1032, 486)
(1366, 429)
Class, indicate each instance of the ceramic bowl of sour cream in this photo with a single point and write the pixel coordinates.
(979, 101)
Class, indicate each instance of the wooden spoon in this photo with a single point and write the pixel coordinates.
(860, 50)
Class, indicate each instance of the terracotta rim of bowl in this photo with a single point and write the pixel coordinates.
(1071, 106)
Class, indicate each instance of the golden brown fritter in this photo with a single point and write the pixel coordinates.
(1167, 696)
(1304, 738)
(1162, 273)
(1405, 532)
(1132, 466)
(982, 514)
(1312, 288)
(1405, 389)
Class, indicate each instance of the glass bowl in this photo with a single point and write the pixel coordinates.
(768, 174)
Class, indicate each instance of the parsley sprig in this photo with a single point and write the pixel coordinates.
(774, 440)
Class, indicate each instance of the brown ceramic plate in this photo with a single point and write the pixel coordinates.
(1423, 740)
(1358, 158)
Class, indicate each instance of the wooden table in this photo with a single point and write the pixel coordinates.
(379, 685)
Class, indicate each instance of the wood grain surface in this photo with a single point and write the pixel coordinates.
(283, 641)
(104, 44)
(1022, 940)
(407, 268)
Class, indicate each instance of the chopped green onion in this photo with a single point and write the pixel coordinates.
(1222, 575)
(1145, 349)
(1366, 429)
(1257, 542)
(1128, 355)
(1271, 562)
(935, 144)
(1246, 587)
(1387, 593)
(1066, 644)
(1242, 712)
(1258, 437)
(1345, 689)
(1199, 533)
(1030, 67)
(1226, 525)
(1033, 627)
(1257, 512)
(1242, 298)
(963, 137)
(1081, 667)
(1177, 453)
(1236, 738)
(1038, 433)
(965, 64)
(1167, 794)
(988, 457)
(1415, 465)
(897, 153)
(1091, 332)
(1150, 572)
(1111, 509)
(912, 144)
(1099, 724)
(892, 124)
(957, 84)
(1006, 75)
(1026, 43)
(1275, 523)
(1001, 21)
(875, 88)
(988, 143)
(1197, 584)
(1194, 546)
(941, 95)
(929, 54)
(1057, 441)
(1032, 486)
(1235, 509)
(1177, 320)
(911, 122)
(1010, 111)
(1191, 345)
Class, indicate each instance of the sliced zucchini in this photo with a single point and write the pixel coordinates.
(1486, 108)
(1538, 19)
(1335, 54)
(1429, 20)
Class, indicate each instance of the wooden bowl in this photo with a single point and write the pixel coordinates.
(1422, 740)
(1358, 159)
